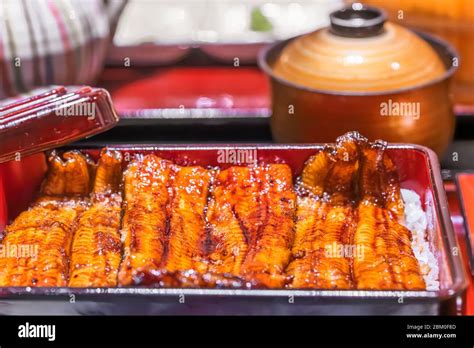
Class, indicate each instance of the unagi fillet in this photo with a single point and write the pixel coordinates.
(307, 250)
(96, 248)
(378, 182)
(70, 175)
(268, 257)
(45, 230)
(405, 266)
(388, 262)
(233, 216)
(315, 172)
(248, 203)
(187, 238)
(322, 252)
(144, 226)
(373, 271)
(331, 172)
(321, 257)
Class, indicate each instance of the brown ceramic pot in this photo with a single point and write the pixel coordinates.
(361, 74)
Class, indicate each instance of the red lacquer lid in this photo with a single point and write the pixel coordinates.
(52, 119)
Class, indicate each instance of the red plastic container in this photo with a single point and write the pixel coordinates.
(21, 180)
(418, 170)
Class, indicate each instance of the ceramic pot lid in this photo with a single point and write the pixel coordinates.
(359, 52)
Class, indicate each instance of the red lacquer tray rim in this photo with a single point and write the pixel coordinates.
(469, 230)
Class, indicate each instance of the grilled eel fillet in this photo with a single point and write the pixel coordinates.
(46, 229)
(234, 216)
(96, 247)
(187, 239)
(325, 220)
(318, 259)
(145, 222)
(269, 254)
(388, 262)
(70, 175)
(334, 212)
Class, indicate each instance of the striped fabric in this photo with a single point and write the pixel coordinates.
(44, 42)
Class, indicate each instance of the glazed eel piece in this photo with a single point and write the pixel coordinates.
(269, 253)
(388, 262)
(325, 220)
(187, 238)
(145, 221)
(96, 248)
(233, 216)
(42, 234)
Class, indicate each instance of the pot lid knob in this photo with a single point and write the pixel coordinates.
(358, 21)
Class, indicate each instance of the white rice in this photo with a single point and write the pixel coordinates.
(416, 222)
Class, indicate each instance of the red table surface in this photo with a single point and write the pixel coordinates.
(458, 223)
(198, 87)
